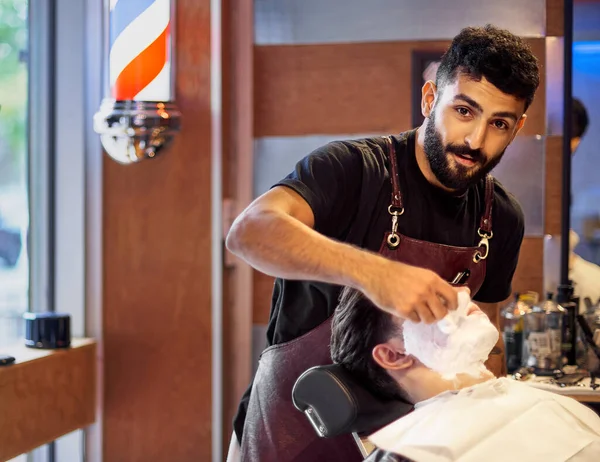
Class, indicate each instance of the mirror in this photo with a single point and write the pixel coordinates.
(584, 262)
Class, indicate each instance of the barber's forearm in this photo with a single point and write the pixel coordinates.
(281, 246)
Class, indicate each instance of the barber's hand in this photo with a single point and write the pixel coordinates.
(409, 292)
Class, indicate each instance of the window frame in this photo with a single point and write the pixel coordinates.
(66, 82)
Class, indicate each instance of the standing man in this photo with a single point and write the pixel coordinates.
(398, 218)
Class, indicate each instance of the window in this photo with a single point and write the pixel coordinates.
(14, 197)
(50, 170)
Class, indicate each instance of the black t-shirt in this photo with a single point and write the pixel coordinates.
(349, 181)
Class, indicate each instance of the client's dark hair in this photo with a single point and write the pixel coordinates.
(358, 326)
(503, 58)
(580, 119)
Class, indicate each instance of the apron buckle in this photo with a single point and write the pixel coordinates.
(484, 242)
(395, 211)
(393, 239)
(485, 235)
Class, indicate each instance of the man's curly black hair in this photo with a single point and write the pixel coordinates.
(503, 58)
(580, 119)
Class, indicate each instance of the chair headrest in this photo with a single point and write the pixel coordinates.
(336, 404)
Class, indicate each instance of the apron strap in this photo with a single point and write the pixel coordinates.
(486, 220)
(396, 195)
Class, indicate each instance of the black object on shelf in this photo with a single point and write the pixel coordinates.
(6, 360)
(570, 303)
(48, 330)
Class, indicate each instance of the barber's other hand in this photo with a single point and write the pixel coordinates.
(409, 292)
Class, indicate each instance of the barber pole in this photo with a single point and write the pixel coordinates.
(140, 50)
(138, 117)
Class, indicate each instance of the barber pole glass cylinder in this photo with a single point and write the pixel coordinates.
(139, 57)
(139, 117)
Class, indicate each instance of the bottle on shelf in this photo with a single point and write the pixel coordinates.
(542, 338)
(511, 325)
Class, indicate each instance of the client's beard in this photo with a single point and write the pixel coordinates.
(459, 177)
(463, 351)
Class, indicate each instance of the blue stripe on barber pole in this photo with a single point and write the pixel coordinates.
(123, 13)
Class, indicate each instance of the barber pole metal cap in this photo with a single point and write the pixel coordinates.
(131, 131)
(139, 118)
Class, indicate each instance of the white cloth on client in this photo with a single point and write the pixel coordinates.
(498, 420)
(459, 343)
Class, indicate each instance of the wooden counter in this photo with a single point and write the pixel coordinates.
(45, 394)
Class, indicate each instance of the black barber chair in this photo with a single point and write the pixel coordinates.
(335, 404)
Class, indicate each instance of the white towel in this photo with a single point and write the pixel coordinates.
(457, 344)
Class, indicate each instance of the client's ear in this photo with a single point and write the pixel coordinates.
(391, 357)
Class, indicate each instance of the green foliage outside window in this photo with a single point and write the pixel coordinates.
(13, 91)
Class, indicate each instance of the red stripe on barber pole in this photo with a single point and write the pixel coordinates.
(142, 70)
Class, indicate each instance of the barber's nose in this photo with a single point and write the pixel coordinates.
(476, 137)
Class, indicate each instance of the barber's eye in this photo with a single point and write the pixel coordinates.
(463, 111)
(500, 125)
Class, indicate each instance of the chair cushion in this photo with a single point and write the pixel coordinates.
(335, 403)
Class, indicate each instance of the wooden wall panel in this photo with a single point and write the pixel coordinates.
(347, 88)
(529, 273)
(157, 277)
(553, 185)
(555, 18)
(229, 167)
(334, 88)
(261, 301)
(536, 114)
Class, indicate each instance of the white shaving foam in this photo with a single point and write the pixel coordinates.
(457, 344)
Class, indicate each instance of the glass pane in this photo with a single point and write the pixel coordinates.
(14, 208)
(276, 156)
(280, 22)
(585, 166)
(521, 172)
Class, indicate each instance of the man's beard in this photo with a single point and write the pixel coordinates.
(457, 177)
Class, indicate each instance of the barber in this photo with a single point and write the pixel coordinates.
(398, 218)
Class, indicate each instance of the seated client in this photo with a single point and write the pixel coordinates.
(461, 412)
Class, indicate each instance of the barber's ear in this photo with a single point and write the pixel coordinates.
(392, 358)
(428, 95)
(520, 125)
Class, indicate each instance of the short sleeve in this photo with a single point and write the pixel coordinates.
(509, 224)
(329, 180)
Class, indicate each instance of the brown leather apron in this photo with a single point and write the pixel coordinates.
(274, 430)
